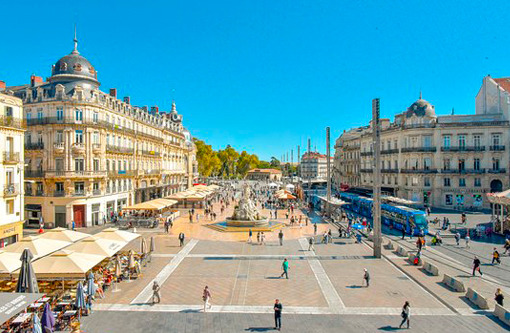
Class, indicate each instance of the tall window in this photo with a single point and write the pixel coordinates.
(78, 115)
(478, 182)
(477, 141)
(446, 141)
(495, 164)
(39, 138)
(95, 117)
(496, 139)
(39, 114)
(462, 182)
(60, 113)
(446, 182)
(427, 163)
(79, 187)
(427, 141)
(95, 137)
(59, 187)
(96, 165)
(476, 164)
(78, 136)
(59, 164)
(462, 141)
(426, 181)
(59, 138)
(79, 164)
(462, 164)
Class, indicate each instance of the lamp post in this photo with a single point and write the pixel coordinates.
(328, 172)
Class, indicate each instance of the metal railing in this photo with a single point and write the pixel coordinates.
(96, 192)
(9, 121)
(500, 170)
(34, 146)
(34, 173)
(79, 193)
(389, 170)
(418, 149)
(389, 151)
(425, 170)
(497, 148)
(58, 193)
(10, 157)
(366, 153)
(462, 148)
(11, 189)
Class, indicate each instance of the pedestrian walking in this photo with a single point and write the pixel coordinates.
(181, 239)
(403, 232)
(366, 278)
(467, 238)
(310, 244)
(250, 233)
(190, 218)
(457, 238)
(476, 266)
(330, 236)
(73, 225)
(507, 245)
(280, 237)
(285, 267)
(306, 221)
(277, 315)
(495, 257)
(406, 313)
(206, 297)
(315, 228)
(167, 226)
(498, 297)
(258, 237)
(262, 238)
(155, 292)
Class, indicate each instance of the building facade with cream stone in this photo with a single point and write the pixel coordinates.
(448, 161)
(11, 168)
(88, 153)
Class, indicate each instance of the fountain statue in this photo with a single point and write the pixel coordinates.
(245, 213)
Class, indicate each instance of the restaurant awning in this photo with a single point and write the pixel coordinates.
(66, 264)
(64, 234)
(117, 235)
(38, 246)
(9, 262)
(156, 204)
(13, 303)
(98, 246)
(333, 201)
(501, 198)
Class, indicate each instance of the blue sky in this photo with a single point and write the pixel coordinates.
(262, 75)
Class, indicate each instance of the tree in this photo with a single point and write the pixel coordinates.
(275, 163)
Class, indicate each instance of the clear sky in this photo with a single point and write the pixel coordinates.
(265, 75)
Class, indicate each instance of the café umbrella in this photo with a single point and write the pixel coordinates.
(36, 324)
(80, 298)
(143, 246)
(47, 319)
(153, 244)
(91, 287)
(27, 282)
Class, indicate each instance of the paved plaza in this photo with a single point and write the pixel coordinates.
(324, 292)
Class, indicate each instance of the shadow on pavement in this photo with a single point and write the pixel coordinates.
(354, 286)
(191, 311)
(389, 328)
(259, 329)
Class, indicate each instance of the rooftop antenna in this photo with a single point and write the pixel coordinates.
(420, 93)
(75, 40)
(453, 111)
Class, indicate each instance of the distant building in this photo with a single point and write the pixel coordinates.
(314, 166)
(448, 161)
(264, 174)
(11, 169)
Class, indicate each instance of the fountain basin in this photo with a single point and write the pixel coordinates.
(247, 223)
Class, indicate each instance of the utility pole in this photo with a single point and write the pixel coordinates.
(291, 160)
(377, 178)
(309, 174)
(328, 173)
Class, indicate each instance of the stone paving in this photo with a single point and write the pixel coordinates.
(244, 281)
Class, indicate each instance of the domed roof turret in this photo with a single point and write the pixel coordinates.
(421, 108)
(74, 67)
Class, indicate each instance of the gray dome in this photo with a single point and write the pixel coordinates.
(421, 108)
(74, 67)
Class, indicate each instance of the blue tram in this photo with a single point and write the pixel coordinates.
(397, 217)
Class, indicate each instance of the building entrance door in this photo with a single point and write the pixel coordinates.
(60, 217)
(79, 215)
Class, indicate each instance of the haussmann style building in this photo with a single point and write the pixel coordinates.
(448, 161)
(88, 153)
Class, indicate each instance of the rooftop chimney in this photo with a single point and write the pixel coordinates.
(2, 85)
(113, 92)
(35, 79)
(127, 100)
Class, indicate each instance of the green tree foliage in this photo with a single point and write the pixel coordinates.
(228, 163)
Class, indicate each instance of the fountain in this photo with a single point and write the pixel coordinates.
(246, 214)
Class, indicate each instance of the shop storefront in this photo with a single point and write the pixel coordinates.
(10, 233)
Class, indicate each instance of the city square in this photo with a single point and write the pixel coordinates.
(261, 166)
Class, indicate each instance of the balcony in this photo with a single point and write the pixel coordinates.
(10, 158)
(366, 153)
(75, 173)
(39, 193)
(366, 170)
(119, 150)
(34, 173)
(96, 192)
(502, 170)
(497, 148)
(59, 147)
(462, 148)
(122, 173)
(389, 170)
(78, 148)
(34, 146)
(150, 153)
(6, 121)
(152, 172)
(389, 151)
(11, 190)
(414, 170)
(419, 150)
(58, 193)
(96, 148)
(79, 193)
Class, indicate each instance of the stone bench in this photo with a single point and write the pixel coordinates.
(401, 251)
(454, 284)
(431, 269)
(389, 246)
(477, 299)
(412, 256)
(502, 313)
